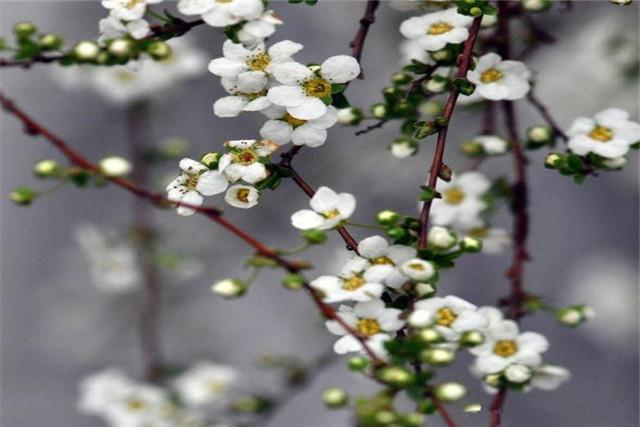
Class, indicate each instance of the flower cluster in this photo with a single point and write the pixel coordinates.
(126, 18)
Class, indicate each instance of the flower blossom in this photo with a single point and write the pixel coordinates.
(434, 31)
(328, 210)
(496, 79)
(461, 202)
(284, 128)
(609, 134)
(195, 181)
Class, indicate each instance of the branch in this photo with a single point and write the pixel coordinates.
(369, 128)
(496, 408)
(463, 66)
(546, 115)
(176, 28)
(369, 17)
(33, 128)
(417, 82)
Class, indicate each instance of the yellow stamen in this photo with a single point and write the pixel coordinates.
(382, 260)
(331, 214)
(353, 283)
(192, 182)
(317, 87)
(293, 121)
(368, 327)
(454, 196)
(601, 133)
(505, 348)
(446, 316)
(259, 62)
(243, 195)
(132, 4)
(491, 75)
(245, 157)
(439, 28)
(478, 232)
(136, 404)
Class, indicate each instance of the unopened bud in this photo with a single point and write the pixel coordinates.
(450, 392)
(23, 196)
(229, 288)
(46, 168)
(349, 116)
(437, 356)
(335, 397)
(24, 29)
(86, 51)
(159, 50)
(114, 166)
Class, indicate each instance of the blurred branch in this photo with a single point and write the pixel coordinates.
(357, 44)
(546, 115)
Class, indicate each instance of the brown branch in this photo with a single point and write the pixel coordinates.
(34, 128)
(417, 82)
(357, 44)
(464, 61)
(442, 411)
(176, 28)
(546, 115)
(369, 128)
(495, 412)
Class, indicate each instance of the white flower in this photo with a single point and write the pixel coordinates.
(418, 269)
(504, 345)
(450, 316)
(349, 116)
(242, 196)
(549, 377)
(434, 31)
(205, 383)
(328, 210)
(370, 319)
(403, 148)
(222, 13)
(242, 161)
(350, 285)
(112, 27)
(385, 260)
(238, 59)
(609, 134)
(461, 202)
(441, 238)
(284, 128)
(128, 10)
(303, 89)
(494, 240)
(496, 79)
(195, 181)
(113, 166)
(113, 264)
(248, 93)
(411, 49)
(517, 373)
(492, 144)
(256, 30)
(98, 391)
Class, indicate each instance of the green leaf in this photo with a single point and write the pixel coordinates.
(327, 99)
(337, 88)
(428, 193)
(311, 2)
(574, 162)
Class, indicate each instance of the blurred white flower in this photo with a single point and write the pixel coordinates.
(411, 49)
(434, 31)
(494, 240)
(328, 210)
(609, 134)
(205, 383)
(222, 13)
(492, 144)
(496, 79)
(128, 10)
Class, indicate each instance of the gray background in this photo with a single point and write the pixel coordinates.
(56, 327)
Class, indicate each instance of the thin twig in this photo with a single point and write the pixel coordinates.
(376, 125)
(417, 82)
(357, 44)
(546, 115)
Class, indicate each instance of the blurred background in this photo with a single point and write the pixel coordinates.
(57, 327)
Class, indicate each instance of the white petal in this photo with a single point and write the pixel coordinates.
(306, 219)
(324, 200)
(347, 344)
(219, 17)
(373, 247)
(277, 131)
(191, 198)
(291, 73)
(346, 205)
(283, 50)
(225, 67)
(309, 108)
(340, 69)
(370, 309)
(254, 172)
(229, 106)
(192, 166)
(286, 96)
(308, 135)
(533, 341)
(211, 183)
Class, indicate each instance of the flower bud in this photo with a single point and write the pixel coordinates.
(450, 392)
(420, 319)
(115, 166)
(425, 290)
(536, 5)
(86, 51)
(426, 129)
(471, 149)
(24, 29)
(553, 160)
(413, 420)
(335, 397)
(314, 237)
(475, 11)
(210, 160)
(441, 238)
(357, 363)
(293, 282)
(385, 417)
(442, 55)
(396, 233)
(349, 116)
(418, 269)
(517, 373)
(427, 407)
(436, 84)
(430, 108)
(401, 78)
(50, 41)
(615, 163)
(379, 110)
(492, 380)
(429, 335)
(472, 408)
(574, 315)
(403, 147)
(437, 356)
(471, 244)
(395, 376)
(489, 21)
(122, 48)
(387, 217)
(46, 168)
(23, 196)
(472, 338)
(229, 288)
(159, 50)
(249, 405)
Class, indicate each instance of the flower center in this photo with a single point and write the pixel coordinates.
(491, 75)
(192, 182)
(124, 76)
(454, 196)
(293, 121)
(601, 133)
(216, 387)
(259, 62)
(254, 95)
(417, 266)
(353, 283)
(446, 316)
(243, 195)
(331, 214)
(478, 232)
(133, 3)
(505, 348)
(439, 28)
(223, 1)
(245, 157)
(136, 404)
(368, 327)
(317, 87)
(381, 260)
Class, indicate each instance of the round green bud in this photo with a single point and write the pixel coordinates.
(314, 237)
(436, 84)
(471, 244)
(425, 290)
(475, 11)
(159, 50)
(23, 196)
(349, 116)
(396, 232)
(492, 380)
(385, 417)
(103, 57)
(335, 397)
(540, 134)
(86, 51)
(122, 48)
(427, 407)
(210, 160)
(113, 166)
(391, 92)
(46, 168)
(357, 363)
(437, 356)
(471, 149)
(387, 217)
(50, 41)
(229, 288)
(553, 160)
(401, 78)
(413, 420)
(442, 55)
(429, 335)
(472, 408)
(403, 107)
(24, 29)
(472, 338)
(450, 392)
(379, 110)
(431, 108)
(293, 282)
(249, 405)
(536, 5)
(395, 376)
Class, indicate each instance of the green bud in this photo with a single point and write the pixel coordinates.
(391, 92)
(427, 407)
(574, 315)
(396, 233)
(441, 122)
(471, 149)
(103, 58)
(113, 166)
(250, 405)
(46, 168)
(403, 107)
(403, 147)
(357, 363)
(493, 380)
(431, 108)
(335, 397)
(450, 392)
(210, 160)
(385, 417)
(475, 11)
(472, 408)
(464, 86)
(437, 356)
(50, 41)
(23, 196)
(472, 338)
(229, 288)
(24, 29)
(314, 237)
(395, 376)
(553, 160)
(428, 128)
(293, 282)
(259, 261)
(379, 110)
(401, 78)
(442, 55)
(436, 84)
(429, 335)
(122, 48)
(537, 5)
(159, 50)
(413, 420)
(86, 51)
(471, 244)
(445, 173)
(538, 136)
(349, 116)
(387, 217)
